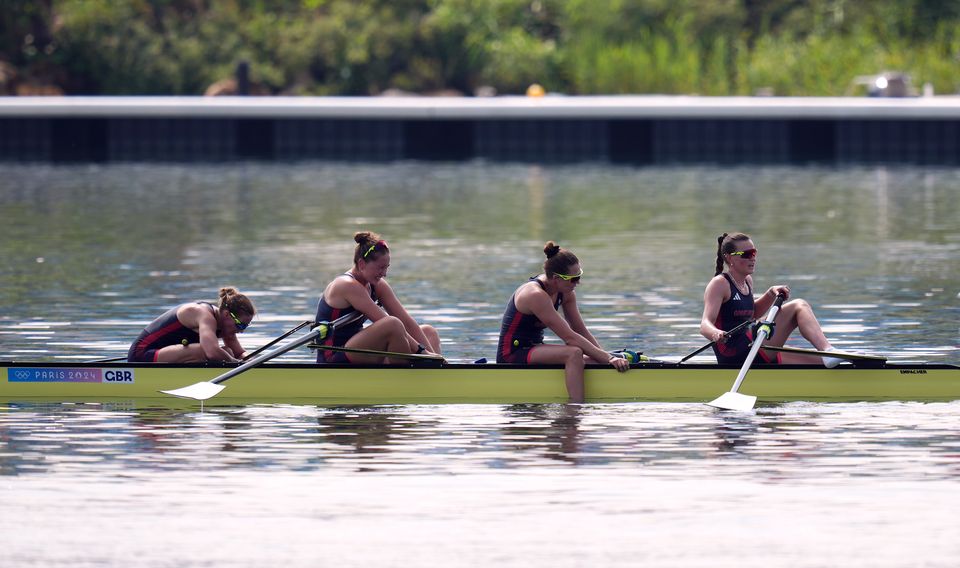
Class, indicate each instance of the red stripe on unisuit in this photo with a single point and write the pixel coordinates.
(334, 314)
(508, 338)
(148, 340)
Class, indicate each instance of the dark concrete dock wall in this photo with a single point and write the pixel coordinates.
(636, 130)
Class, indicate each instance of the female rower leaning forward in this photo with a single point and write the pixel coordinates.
(533, 307)
(192, 332)
(728, 301)
(364, 289)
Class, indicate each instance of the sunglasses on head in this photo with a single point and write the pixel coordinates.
(747, 254)
(569, 277)
(236, 321)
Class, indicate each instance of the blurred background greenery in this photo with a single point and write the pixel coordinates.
(369, 47)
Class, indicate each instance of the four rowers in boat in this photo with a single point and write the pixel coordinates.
(192, 332)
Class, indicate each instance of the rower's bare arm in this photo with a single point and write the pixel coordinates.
(234, 347)
(209, 342)
(393, 307)
(762, 303)
(356, 295)
(572, 314)
(539, 303)
(713, 297)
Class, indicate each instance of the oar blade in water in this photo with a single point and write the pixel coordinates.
(197, 391)
(734, 401)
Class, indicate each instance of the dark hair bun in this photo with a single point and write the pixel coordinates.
(227, 291)
(362, 237)
(551, 248)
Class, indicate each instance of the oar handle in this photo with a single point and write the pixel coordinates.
(730, 333)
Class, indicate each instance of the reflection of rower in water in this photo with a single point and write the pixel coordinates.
(192, 332)
(559, 440)
(533, 307)
(728, 301)
(361, 289)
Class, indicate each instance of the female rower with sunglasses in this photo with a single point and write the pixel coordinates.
(533, 308)
(728, 301)
(191, 332)
(364, 289)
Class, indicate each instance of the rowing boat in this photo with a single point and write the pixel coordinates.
(475, 383)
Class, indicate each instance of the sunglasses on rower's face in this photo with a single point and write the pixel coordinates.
(569, 277)
(236, 321)
(746, 254)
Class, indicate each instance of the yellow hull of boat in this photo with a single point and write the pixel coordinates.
(302, 383)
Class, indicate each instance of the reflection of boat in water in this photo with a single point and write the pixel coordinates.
(465, 383)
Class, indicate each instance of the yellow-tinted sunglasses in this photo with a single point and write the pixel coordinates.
(569, 277)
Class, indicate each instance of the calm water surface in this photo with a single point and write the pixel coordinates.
(92, 253)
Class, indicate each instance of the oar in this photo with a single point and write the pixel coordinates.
(110, 360)
(854, 357)
(391, 354)
(708, 345)
(208, 389)
(278, 340)
(733, 400)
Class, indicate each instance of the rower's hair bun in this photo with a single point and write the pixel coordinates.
(363, 237)
(551, 249)
(233, 300)
(227, 291)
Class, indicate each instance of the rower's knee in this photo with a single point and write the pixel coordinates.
(391, 325)
(575, 356)
(432, 335)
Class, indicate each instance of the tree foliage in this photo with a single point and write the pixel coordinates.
(365, 47)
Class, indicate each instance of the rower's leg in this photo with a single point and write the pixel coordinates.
(572, 359)
(798, 314)
(192, 353)
(387, 334)
(433, 338)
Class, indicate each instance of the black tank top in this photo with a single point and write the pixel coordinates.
(166, 330)
(733, 312)
(341, 334)
(519, 330)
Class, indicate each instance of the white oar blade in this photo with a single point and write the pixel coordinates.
(734, 401)
(197, 391)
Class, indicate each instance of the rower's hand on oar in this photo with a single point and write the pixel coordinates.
(780, 290)
(619, 363)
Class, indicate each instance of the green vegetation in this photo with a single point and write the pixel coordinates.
(364, 47)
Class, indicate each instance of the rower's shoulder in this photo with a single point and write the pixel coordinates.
(718, 280)
(532, 286)
(192, 314)
(344, 280)
(195, 308)
(718, 285)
